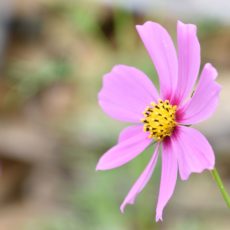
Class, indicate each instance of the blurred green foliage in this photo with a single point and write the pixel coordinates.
(30, 78)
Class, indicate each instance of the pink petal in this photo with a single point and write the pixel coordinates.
(161, 49)
(168, 177)
(124, 151)
(205, 99)
(194, 153)
(141, 181)
(126, 92)
(188, 59)
(129, 132)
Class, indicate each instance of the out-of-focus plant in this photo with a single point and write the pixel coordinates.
(28, 79)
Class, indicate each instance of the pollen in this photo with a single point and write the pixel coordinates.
(159, 120)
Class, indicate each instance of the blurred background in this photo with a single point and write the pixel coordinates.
(53, 54)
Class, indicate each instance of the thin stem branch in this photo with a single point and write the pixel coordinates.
(220, 184)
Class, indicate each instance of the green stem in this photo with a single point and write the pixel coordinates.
(220, 184)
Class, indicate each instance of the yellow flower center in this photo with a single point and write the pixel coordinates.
(159, 119)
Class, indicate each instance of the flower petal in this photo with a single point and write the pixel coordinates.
(205, 98)
(194, 153)
(126, 92)
(168, 177)
(129, 132)
(141, 181)
(161, 49)
(188, 59)
(124, 151)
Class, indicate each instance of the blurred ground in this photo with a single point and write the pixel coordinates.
(52, 132)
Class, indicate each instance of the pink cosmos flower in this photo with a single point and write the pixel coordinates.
(162, 118)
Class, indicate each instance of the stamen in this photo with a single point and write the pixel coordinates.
(159, 119)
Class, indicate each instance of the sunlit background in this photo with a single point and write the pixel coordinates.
(53, 54)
